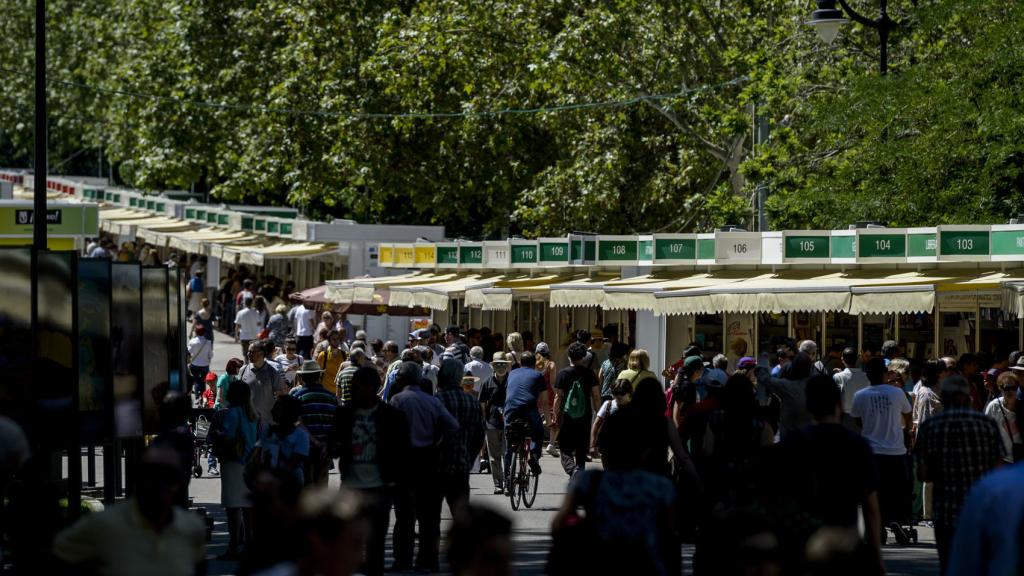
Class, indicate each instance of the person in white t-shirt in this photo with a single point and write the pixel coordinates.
(247, 325)
(481, 370)
(850, 381)
(883, 412)
(305, 322)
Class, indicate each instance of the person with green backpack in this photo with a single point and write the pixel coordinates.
(577, 395)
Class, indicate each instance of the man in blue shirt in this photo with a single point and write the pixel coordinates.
(418, 497)
(523, 389)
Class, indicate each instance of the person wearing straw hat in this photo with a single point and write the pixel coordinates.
(318, 408)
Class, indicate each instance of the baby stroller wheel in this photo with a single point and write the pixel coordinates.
(197, 471)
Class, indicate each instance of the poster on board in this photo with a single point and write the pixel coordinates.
(739, 338)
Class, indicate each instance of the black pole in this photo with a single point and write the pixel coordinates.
(883, 38)
(41, 167)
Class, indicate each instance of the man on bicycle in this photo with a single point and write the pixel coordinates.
(525, 387)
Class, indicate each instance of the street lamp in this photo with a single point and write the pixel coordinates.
(827, 20)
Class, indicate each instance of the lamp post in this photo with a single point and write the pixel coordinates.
(827, 20)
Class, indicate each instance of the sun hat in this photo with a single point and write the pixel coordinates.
(310, 367)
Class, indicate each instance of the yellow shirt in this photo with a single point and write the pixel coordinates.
(330, 360)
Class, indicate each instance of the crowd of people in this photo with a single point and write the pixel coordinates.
(786, 463)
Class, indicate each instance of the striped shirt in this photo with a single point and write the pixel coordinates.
(344, 384)
(318, 408)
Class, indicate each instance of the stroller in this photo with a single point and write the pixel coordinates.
(200, 446)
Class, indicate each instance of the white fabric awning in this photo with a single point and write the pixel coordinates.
(435, 295)
(912, 299)
(580, 293)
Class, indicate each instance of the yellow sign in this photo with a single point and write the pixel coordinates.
(386, 256)
(426, 254)
(404, 255)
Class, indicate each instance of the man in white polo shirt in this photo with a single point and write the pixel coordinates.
(305, 323)
(247, 325)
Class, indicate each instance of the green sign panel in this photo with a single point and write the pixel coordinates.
(285, 228)
(1007, 242)
(705, 248)
(921, 245)
(646, 248)
(247, 223)
(676, 249)
(261, 224)
(797, 247)
(190, 213)
(211, 218)
(882, 246)
(964, 242)
(447, 255)
(524, 254)
(222, 220)
(554, 252)
(617, 250)
(150, 204)
(472, 254)
(273, 227)
(844, 247)
(583, 250)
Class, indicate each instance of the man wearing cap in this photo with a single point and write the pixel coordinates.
(318, 408)
(574, 435)
(457, 348)
(492, 403)
(200, 354)
(953, 449)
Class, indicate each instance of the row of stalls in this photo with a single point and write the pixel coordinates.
(267, 241)
(936, 291)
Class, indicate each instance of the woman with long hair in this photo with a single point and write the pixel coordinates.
(546, 366)
(239, 430)
(514, 342)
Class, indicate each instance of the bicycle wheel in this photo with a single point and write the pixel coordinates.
(528, 482)
(512, 488)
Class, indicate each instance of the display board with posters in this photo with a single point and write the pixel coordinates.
(53, 420)
(16, 332)
(95, 376)
(126, 348)
(155, 374)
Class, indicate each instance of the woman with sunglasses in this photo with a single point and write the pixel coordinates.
(1003, 409)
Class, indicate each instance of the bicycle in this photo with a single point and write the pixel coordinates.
(518, 482)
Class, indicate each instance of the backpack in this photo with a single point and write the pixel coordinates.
(575, 401)
(223, 447)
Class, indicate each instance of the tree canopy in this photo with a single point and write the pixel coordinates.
(534, 117)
